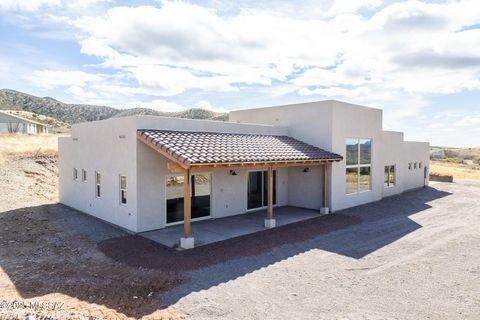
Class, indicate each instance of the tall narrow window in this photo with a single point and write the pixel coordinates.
(123, 189)
(358, 165)
(420, 165)
(389, 180)
(98, 182)
(84, 175)
(75, 174)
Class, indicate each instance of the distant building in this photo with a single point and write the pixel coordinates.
(15, 124)
(437, 155)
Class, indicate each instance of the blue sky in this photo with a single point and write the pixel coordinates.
(418, 61)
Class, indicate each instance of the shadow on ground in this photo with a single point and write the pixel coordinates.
(355, 232)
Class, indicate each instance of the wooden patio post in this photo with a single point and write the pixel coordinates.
(270, 193)
(324, 208)
(324, 186)
(186, 204)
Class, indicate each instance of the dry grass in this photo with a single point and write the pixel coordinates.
(457, 170)
(29, 144)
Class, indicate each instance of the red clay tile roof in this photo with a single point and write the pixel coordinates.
(213, 147)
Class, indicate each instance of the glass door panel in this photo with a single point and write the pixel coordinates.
(200, 191)
(174, 199)
(255, 190)
(201, 195)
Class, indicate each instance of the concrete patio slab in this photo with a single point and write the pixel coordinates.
(210, 231)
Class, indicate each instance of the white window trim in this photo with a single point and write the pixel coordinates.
(211, 198)
(358, 166)
(120, 189)
(389, 172)
(263, 191)
(98, 185)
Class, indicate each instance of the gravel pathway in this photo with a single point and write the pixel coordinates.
(137, 251)
(415, 256)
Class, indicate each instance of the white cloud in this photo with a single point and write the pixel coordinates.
(170, 81)
(27, 5)
(249, 48)
(157, 104)
(384, 54)
(180, 46)
(204, 104)
(50, 79)
(35, 5)
(467, 121)
(436, 125)
(352, 6)
(336, 92)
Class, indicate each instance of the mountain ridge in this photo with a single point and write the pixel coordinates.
(75, 113)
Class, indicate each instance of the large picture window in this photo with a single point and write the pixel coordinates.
(358, 165)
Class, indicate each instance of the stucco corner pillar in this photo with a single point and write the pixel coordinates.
(324, 209)
(187, 241)
(270, 222)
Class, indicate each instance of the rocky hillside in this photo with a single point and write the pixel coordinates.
(74, 113)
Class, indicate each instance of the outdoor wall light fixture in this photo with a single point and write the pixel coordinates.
(306, 169)
(233, 173)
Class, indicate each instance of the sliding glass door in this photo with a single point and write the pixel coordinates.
(257, 189)
(200, 192)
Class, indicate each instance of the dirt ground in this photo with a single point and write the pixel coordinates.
(47, 258)
(412, 256)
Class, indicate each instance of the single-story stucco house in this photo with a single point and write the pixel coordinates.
(12, 123)
(145, 172)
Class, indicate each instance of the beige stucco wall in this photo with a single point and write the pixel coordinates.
(111, 147)
(108, 147)
(352, 121)
(415, 152)
(305, 188)
(393, 155)
(327, 124)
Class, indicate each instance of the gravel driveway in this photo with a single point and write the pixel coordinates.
(415, 256)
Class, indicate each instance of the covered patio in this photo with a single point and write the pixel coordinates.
(190, 152)
(214, 230)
